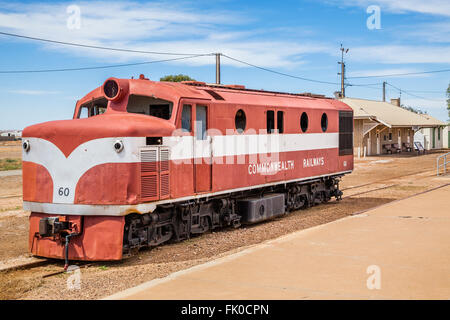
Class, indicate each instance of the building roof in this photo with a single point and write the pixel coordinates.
(389, 114)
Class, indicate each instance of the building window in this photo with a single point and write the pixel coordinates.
(240, 121)
(304, 122)
(280, 121)
(390, 136)
(186, 118)
(324, 122)
(270, 121)
(439, 133)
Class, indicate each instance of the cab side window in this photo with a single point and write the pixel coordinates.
(186, 122)
(280, 121)
(270, 121)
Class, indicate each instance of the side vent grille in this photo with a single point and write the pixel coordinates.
(164, 172)
(149, 161)
(149, 187)
(165, 186)
(155, 173)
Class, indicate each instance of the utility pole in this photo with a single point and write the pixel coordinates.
(217, 68)
(342, 73)
(384, 91)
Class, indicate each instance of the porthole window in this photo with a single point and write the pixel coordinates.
(324, 122)
(304, 122)
(240, 121)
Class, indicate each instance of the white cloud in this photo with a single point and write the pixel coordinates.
(161, 27)
(434, 7)
(438, 32)
(401, 54)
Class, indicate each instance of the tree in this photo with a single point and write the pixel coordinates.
(176, 78)
(412, 109)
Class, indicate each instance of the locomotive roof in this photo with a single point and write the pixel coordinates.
(235, 94)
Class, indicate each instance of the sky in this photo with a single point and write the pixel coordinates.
(300, 38)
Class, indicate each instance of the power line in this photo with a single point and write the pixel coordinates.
(99, 67)
(280, 73)
(192, 55)
(95, 47)
(409, 93)
(297, 77)
(399, 74)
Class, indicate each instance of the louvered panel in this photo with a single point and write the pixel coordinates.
(155, 174)
(164, 178)
(165, 189)
(149, 187)
(164, 159)
(149, 174)
(149, 160)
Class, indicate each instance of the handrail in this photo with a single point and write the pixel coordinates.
(438, 166)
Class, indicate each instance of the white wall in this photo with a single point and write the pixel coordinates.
(428, 138)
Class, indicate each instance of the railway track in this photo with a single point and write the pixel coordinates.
(45, 263)
(48, 262)
(383, 180)
(10, 196)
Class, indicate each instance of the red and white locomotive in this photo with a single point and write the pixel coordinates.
(145, 162)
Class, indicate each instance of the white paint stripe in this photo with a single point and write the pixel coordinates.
(120, 210)
(236, 145)
(66, 172)
(87, 209)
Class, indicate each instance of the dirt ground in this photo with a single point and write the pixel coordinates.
(400, 176)
(10, 149)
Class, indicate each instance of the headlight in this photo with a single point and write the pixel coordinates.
(118, 146)
(26, 145)
(115, 89)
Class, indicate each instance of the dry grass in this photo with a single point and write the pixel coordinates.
(10, 164)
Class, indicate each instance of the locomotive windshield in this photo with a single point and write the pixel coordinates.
(92, 108)
(150, 106)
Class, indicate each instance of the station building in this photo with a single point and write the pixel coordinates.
(383, 127)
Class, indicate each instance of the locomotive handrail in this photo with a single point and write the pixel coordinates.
(438, 166)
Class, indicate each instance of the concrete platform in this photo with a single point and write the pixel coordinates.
(396, 251)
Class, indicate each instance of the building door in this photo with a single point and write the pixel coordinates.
(202, 150)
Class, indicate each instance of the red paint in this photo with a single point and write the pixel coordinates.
(101, 239)
(37, 184)
(110, 183)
